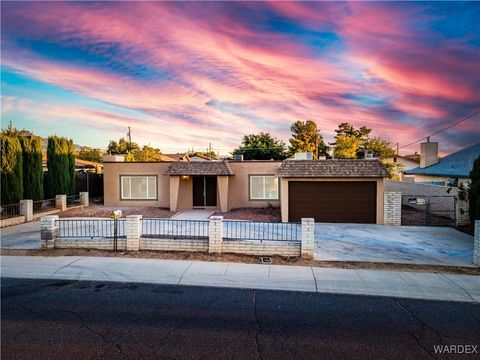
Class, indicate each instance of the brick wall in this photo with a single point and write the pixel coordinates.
(267, 248)
(86, 243)
(392, 208)
(12, 221)
(174, 244)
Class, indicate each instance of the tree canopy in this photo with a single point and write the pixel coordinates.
(90, 154)
(121, 147)
(262, 146)
(346, 147)
(307, 138)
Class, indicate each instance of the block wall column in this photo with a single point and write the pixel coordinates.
(392, 208)
(308, 238)
(134, 231)
(215, 234)
(48, 231)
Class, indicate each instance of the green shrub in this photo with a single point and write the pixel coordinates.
(11, 170)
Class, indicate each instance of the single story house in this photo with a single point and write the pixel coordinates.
(408, 161)
(349, 191)
(451, 170)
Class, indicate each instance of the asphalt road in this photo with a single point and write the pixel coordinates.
(91, 320)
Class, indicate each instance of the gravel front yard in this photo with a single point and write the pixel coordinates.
(252, 214)
(105, 211)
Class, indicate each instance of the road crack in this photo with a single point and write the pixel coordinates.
(258, 326)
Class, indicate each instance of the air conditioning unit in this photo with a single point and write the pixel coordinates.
(303, 156)
(369, 154)
(237, 157)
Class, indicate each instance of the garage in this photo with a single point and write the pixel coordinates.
(335, 202)
(332, 190)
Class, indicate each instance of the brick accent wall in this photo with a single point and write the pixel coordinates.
(267, 248)
(215, 234)
(84, 199)
(12, 221)
(476, 244)
(48, 231)
(61, 202)
(174, 244)
(392, 208)
(26, 209)
(86, 243)
(308, 238)
(133, 230)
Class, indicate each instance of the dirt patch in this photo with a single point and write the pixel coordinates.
(105, 211)
(245, 259)
(253, 214)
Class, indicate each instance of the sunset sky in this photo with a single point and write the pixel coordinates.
(186, 74)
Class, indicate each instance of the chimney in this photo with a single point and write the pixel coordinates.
(428, 153)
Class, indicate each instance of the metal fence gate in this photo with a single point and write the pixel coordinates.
(424, 210)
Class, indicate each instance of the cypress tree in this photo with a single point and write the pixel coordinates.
(11, 169)
(32, 167)
(71, 168)
(59, 170)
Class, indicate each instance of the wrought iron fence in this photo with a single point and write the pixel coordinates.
(43, 205)
(90, 228)
(262, 231)
(10, 210)
(174, 229)
(73, 200)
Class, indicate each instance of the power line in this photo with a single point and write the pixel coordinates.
(439, 131)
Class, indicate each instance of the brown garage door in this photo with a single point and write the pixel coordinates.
(337, 202)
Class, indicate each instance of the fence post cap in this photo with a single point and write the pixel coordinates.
(49, 218)
(308, 220)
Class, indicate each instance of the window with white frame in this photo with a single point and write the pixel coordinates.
(138, 187)
(263, 187)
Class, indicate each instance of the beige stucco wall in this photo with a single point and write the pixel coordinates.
(185, 193)
(238, 184)
(429, 178)
(111, 182)
(284, 193)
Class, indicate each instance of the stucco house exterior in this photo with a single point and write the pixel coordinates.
(408, 161)
(451, 170)
(327, 190)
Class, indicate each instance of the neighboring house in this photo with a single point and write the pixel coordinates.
(408, 161)
(450, 170)
(349, 191)
(80, 165)
(175, 157)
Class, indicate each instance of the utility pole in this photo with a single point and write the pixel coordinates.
(129, 134)
(316, 144)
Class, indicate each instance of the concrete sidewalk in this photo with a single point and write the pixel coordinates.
(251, 276)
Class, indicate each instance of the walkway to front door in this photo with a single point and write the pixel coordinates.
(193, 214)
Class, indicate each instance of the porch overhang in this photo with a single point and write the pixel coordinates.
(200, 168)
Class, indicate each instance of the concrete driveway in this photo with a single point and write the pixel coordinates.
(23, 236)
(393, 244)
